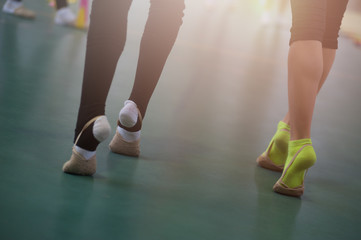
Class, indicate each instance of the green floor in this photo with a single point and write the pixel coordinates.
(217, 104)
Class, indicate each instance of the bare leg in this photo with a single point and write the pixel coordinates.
(309, 63)
(328, 59)
(305, 66)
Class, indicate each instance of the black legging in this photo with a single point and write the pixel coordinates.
(106, 40)
(317, 20)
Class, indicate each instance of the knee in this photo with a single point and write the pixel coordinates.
(306, 59)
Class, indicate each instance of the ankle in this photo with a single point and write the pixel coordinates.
(295, 145)
(283, 126)
(85, 153)
(93, 132)
(127, 135)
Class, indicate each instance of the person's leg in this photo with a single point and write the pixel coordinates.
(17, 8)
(278, 147)
(160, 33)
(277, 150)
(328, 56)
(305, 66)
(310, 61)
(335, 10)
(334, 18)
(105, 43)
(275, 155)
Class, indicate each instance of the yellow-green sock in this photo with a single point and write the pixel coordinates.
(301, 156)
(278, 147)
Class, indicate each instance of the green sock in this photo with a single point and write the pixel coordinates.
(278, 147)
(301, 156)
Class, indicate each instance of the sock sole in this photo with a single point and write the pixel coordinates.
(282, 188)
(265, 162)
(120, 146)
(78, 165)
(277, 149)
(301, 165)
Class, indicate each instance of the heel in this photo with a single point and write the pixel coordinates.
(291, 182)
(125, 115)
(77, 164)
(120, 146)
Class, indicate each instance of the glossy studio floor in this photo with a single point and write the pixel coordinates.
(217, 104)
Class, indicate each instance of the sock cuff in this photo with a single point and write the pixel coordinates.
(129, 136)
(282, 124)
(299, 142)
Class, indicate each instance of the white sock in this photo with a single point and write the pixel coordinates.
(10, 6)
(128, 116)
(128, 136)
(64, 16)
(101, 130)
(85, 153)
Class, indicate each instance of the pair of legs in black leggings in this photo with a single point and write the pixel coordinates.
(106, 40)
(313, 44)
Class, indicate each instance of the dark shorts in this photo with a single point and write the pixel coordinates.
(317, 20)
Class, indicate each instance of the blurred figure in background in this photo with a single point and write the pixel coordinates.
(63, 15)
(17, 8)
